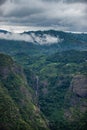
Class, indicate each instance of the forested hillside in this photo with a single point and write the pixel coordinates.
(51, 87)
(18, 109)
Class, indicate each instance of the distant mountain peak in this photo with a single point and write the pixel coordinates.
(4, 31)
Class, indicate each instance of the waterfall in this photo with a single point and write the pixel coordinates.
(37, 88)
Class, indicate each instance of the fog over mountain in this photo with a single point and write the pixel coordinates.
(41, 39)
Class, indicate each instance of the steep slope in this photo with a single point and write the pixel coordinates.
(17, 108)
(76, 97)
(62, 88)
(57, 73)
(10, 118)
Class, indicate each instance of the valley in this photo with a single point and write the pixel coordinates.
(44, 84)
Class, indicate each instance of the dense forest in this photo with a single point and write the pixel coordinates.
(44, 87)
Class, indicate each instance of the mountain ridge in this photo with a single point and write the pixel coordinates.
(18, 109)
(56, 68)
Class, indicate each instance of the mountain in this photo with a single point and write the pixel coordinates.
(42, 42)
(17, 106)
(3, 31)
(56, 74)
(62, 88)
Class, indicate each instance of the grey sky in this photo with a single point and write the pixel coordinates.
(68, 15)
(2, 2)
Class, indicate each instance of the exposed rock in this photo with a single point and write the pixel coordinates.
(76, 98)
(79, 85)
(16, 98)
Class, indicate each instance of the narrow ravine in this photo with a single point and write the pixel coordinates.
(37, 89)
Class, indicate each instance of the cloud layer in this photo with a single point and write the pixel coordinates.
(60, 14)
(36, 39)
(2, 2)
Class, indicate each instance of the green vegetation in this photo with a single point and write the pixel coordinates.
(55, 74)
(17, 107)
(50, 93)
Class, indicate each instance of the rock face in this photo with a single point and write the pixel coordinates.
(76, 98)
(17, 107)
(79, 85)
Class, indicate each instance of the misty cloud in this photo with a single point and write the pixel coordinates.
(40, 39)
(2, 1)
(61, 14)
(73, 1)
(45, 39)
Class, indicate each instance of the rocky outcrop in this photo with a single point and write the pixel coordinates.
(79, 85)
(16, 99)
(76, 98)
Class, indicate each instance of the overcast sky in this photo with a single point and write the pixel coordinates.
(67, 15)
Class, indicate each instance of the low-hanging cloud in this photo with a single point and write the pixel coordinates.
(32, 38)
(45, 39)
